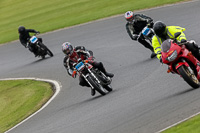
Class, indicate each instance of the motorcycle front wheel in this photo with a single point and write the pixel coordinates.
(108, 88)
(98, 87)
(190, 78)
(47, 50)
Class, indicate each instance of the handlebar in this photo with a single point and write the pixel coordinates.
(179, 43)
(37, 33)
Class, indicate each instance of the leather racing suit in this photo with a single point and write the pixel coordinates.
(24, 38)
(136, 26)
(81, 53)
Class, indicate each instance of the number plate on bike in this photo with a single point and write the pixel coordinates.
(33, 39)
(146, 31)
(79, 66)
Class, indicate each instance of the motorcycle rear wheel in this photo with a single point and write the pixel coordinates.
(191, 79)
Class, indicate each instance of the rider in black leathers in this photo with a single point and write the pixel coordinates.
(135, 24)
(24, 38)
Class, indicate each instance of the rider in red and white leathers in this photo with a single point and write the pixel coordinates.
(73, 55)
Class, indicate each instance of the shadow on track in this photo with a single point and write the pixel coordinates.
(37, 61)
(180, 93)
(148, 60)
(183, 92)
(84, 102)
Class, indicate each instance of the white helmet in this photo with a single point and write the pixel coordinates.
(129, 15)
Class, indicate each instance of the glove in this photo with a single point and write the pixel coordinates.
(150, 25)
(79, 60)
(74, 64)
(135, 36)
(74, 74)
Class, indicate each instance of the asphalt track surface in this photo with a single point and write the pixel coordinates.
(145, 98)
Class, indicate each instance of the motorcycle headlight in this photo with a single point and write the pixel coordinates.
(173, 56)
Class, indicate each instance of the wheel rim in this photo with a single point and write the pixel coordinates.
(194, 78)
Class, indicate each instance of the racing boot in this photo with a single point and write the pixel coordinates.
(153, 55)
(109, 74)
(100, 66)
(93, 92)
(105, 72)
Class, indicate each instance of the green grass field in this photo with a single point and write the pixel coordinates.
(48, 15)
(19, 99)
(189, 126)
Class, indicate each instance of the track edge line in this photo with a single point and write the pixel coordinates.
(56, 89)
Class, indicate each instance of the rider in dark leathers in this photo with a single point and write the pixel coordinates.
(135, 24)
(24, 38)
(73, 55)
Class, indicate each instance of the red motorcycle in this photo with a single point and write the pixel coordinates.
(181, 61)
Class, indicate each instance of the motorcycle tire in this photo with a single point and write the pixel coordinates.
(191, 79)
(47, 50)
(108, 88)
(96, 86)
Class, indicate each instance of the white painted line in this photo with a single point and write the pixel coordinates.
(57, 86)
(178, 122)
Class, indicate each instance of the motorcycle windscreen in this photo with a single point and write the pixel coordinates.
(165, 46)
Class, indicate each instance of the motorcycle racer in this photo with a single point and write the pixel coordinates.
(24, 38)
(73, 55)
(135, 24)
(163, 32)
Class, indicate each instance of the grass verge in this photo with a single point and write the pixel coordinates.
(48, 15)
(189, 126)
(19, 99)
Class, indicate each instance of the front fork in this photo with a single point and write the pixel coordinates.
(185, 64)
(188, 66)
(85, 76)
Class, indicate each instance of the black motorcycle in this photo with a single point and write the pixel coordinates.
(94, 77)
(41, 49)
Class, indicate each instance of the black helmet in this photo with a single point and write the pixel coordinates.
(159, 28)
(21, 29)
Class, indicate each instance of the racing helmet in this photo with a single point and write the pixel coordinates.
(129, 16)
(67, 48)
(21, 29)
(159, 28)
